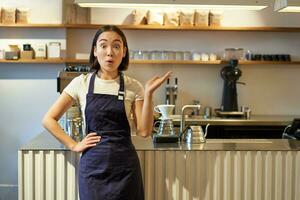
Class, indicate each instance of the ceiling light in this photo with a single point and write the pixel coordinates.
(194, 4)
(287, 5)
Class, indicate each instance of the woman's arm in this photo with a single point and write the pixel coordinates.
(143, 110)
(50, 122)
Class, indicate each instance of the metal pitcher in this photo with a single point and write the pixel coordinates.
(195, 134)
(74, 123)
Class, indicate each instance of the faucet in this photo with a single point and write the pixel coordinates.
(168, 88)
(182, 120)
(171, 93)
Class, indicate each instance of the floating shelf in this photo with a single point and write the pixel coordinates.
(32, 26)
(155, 27)
(35, 61)
(175, 62)
(191, 28)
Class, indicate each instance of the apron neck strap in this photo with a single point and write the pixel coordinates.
(121, 92)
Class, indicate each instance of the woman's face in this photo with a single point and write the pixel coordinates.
(109, 51)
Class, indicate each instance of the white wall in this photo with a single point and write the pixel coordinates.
(27, 90)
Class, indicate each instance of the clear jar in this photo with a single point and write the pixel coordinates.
(234, 54)
(178, 55)
(187, 55)
(156, 55)
(196, 56)
(138, 55)
(169, 55)
(146, 55)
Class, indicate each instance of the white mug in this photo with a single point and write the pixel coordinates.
(164, 110)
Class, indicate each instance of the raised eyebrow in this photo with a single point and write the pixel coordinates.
(117, 40)
(105, 40)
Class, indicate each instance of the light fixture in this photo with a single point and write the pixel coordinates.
(195, 4)
(287, 5)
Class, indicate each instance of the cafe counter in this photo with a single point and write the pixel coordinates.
(218, 169)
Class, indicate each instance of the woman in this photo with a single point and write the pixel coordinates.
(109, 166)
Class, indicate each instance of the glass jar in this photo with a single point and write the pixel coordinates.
(187, 55)
(156, 55)
(178, 55)
(234, 54)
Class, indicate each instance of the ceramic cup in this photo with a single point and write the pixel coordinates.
(164, 110)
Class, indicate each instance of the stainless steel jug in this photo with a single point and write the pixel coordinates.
(74, 123)
(195, 134)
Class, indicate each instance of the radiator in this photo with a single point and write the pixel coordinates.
(174, 175)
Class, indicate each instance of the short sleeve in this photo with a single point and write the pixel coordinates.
(73, 88)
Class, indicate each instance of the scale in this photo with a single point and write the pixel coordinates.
(229, 114)
(165, 132)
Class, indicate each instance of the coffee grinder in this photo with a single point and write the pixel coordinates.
(230, 75)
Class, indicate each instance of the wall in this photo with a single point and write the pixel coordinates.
(27, 90)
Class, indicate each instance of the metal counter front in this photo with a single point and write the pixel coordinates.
(219, 169)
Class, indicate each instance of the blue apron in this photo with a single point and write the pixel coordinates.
(110, 170)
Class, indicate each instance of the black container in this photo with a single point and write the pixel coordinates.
(26, 47)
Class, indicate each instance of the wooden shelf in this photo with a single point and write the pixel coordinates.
(185, 62)
(244, 62)
(32, 26)
(172, 62)
(191, 28)
(191, 62)
(35, 61)
(156, 27)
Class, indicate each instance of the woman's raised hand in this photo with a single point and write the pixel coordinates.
(89, 141)
(155, 82)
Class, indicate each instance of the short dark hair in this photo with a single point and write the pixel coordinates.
(93, 60)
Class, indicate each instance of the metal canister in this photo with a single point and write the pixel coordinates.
(207, 112)
(74, 123)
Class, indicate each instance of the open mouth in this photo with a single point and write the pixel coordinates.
(109, 61)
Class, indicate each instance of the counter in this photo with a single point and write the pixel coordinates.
(255, 120)
(45, 141)
(220, 169)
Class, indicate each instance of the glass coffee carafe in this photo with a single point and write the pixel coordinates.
(74, 123)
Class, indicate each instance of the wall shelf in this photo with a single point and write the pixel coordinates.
(155, 27)
(35, 61)
(175, 62)
(191, 62)
(32, 26)
(190, 28)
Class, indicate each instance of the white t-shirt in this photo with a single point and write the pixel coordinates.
(134, 91)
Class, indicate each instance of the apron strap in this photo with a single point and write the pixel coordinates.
(92, 83)
(121, 93)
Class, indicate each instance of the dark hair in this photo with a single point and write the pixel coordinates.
(93, 60)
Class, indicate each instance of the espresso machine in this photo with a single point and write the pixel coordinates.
(230, 74)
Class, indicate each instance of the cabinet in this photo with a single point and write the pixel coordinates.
(71, 27)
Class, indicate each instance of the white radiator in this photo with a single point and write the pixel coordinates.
(174, 175)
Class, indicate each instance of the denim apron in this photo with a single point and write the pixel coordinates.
(110, 170)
